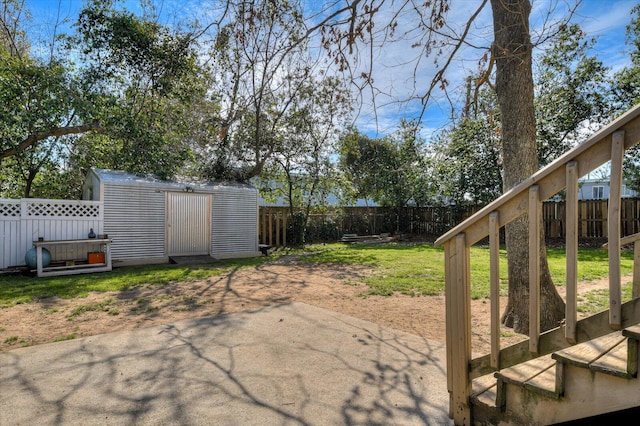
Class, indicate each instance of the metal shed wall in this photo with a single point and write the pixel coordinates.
(135, 215)
(134, 218)
(234, 229)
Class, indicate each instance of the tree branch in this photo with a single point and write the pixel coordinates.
(55, 132)
(439, 77)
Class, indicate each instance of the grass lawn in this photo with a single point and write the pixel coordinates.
(16, 289)
(416, 269)
(419, 269)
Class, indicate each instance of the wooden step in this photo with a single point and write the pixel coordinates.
(632, 332)
(538, 375)
(614, 362)
(568, 383)
(484, 390)
(607, 354)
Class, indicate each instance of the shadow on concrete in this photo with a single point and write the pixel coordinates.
(289, 364)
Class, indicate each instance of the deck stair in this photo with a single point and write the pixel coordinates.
(584, 380)
(572, 371)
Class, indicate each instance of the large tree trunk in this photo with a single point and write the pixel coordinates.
(514, 89)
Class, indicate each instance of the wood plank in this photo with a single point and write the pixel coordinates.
(461, 337)
(544, 383)
(284, 229)
(534, 268)
(615, 192)
(485, 390)
(626, 240)
(635, 291)
(483, 383)
(494, 259)
(571, 238)
(632, 357)
(522, 373)
(449, 279)
(583, 354)
(632, 331)
(614, 362)
(553, 340)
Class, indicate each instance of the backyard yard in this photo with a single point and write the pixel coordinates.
(400, 286)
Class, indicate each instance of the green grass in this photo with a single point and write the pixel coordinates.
(411, 269)
(67, 337)
(103, 305)
(593, 264)
(17, 289)
(408, 269)
(597, 300)
(419, 269)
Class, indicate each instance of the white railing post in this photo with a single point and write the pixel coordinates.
(571, 245)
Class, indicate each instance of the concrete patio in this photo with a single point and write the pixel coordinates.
(285, 365)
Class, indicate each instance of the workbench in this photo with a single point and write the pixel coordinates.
(72, 267)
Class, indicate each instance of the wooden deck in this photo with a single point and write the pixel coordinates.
(584, 380)
(541, 380)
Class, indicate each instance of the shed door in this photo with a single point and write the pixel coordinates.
(188, 224)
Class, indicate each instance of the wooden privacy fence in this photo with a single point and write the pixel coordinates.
(592, 218)
(435, 221)
(272, 226)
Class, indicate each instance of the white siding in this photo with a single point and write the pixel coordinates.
(234, 229)
(24, 221)
(134, 218)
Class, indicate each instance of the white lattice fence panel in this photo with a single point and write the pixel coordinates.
(24, 221)
(9, 208)
(59, 208)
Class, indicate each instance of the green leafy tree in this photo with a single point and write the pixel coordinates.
(144, 79)
(570, 93)
(387, 170)
(626, 93)
(301, 172)
(468, 162)
(126, 103)
(39, 99)
(352, 23)
(261, 65)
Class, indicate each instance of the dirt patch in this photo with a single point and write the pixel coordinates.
(335, 287)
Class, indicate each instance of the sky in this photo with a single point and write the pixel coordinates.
(397, 77)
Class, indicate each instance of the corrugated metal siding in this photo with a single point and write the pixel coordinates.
(136, 208)
(234, 226)
(134, 218)
(188, 224)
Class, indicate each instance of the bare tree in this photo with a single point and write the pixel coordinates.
(350, 25)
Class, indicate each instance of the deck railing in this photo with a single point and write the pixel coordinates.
(609, 144)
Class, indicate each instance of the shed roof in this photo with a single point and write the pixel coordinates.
(122, 177)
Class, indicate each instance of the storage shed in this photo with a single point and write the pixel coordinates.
(150, 220)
